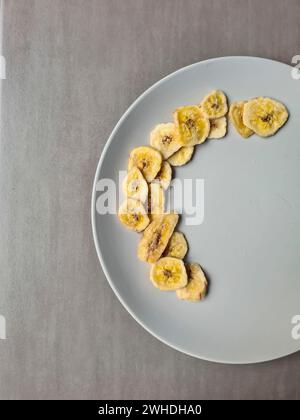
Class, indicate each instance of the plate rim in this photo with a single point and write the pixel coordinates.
(93, 211)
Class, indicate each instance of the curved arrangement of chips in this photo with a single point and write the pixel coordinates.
(150, 173)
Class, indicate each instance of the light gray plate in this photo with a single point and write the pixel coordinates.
(249, 241)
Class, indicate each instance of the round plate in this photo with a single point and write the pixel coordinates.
(248, 243)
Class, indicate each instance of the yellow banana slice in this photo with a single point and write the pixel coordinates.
(236, 112)
(147, 160)
(177, 246)
(193, 126)
(164, 176)
(218, 128)
(133, 215)
(156, 237)
(165, 138)
(183, 156)
(214, 105)
(157, 200)
(168, 274)
(264, 116)
(135, 186)
(196, 288)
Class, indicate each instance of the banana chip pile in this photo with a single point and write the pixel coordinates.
(150, 174)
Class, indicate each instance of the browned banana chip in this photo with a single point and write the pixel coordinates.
(147, 160)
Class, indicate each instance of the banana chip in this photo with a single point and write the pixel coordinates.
(218, 128)
(214, 105)
(135, 186)
(168, 274)
(193, 126)
(264, 116)
(164, 176)
(183, 156)
(177, 246)
(236, 112)
(196, 288)
(165, 138)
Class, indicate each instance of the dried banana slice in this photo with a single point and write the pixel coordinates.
(147, 160)
(156, 237)
(156, 200)
(196, 288)
(183, 156)
(264, 116)
(168, 274)
(177, 246)
(193, 126)
(236, 112)
(133, 215)
(164, 176)
(218, 128)
(165, 138)
(135, 186)
(214, 105)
